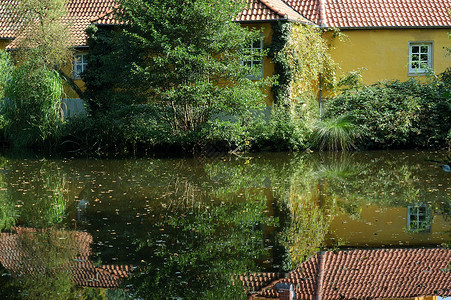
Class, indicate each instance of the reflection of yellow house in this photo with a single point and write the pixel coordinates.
(390, 39)
(388, 226)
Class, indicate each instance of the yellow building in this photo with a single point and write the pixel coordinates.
(388, 39)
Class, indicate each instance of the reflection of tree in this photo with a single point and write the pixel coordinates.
(198, 249)
(41, 269)
(37, 196)
(310, 218)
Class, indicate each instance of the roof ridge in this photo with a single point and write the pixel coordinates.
(278, 6)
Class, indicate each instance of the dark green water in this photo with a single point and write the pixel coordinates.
(188, 227)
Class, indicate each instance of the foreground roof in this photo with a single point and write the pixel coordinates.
(368, 274)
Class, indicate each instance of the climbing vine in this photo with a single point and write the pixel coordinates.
(302, 62)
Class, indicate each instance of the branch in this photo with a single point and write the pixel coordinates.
(72, 83)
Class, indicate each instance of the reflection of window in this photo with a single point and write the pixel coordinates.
(252, 58)
(420, 57)
(80, 65)
(418, 218)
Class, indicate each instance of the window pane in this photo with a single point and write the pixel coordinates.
(424, 57)
(415, 57)
(424, 49)
(415, 49)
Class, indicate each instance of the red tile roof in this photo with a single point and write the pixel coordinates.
(307, 8)
(269, 10)
(386, 13)
(370, 274)
(374, 13)
(84, 273)
(327, 13)
(8, 27)
(82, 12)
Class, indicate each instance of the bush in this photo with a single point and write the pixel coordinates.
(33, 113)
(336, 134)
(139, 129)
(398, 114)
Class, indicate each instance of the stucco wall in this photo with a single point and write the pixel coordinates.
(385, 52)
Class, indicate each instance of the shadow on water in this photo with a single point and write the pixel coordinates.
(202, 227)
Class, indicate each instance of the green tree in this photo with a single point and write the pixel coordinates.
(183, 56)
(7, 68)
(43, 33)
(33, 111)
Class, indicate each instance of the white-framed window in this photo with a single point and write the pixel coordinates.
(253, 58)
(418, 218)
(420, 57)
(80, 64)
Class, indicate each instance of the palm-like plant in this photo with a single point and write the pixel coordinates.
(336, 134)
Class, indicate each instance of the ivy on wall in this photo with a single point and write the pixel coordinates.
(302, 63)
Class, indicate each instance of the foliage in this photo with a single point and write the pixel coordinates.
(285, 130)
(33, 109)
(105, 79)
(399, 114)
(336, 134)
(40, 205)
(184, 58)
(203, 242)
(138, 129)
(42, 37)
(305, 62)
(280, 37)
(7, 68)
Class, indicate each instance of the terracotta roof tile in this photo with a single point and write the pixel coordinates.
(8, 27)
(328, 13)
(370, 274)
(307, 8)
(81, 12)
(375, 13)
(269, 10)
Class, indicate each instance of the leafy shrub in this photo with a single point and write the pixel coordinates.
(139, 129)
(398, 114)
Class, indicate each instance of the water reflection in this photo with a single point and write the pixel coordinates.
(198, 228)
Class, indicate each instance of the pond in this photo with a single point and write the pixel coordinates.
(325, 225)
